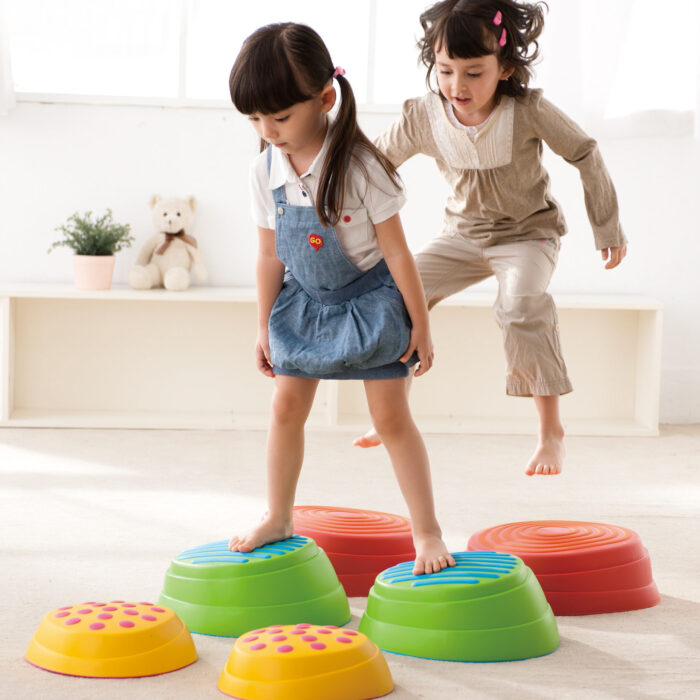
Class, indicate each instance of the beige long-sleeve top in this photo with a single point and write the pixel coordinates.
(500, 189)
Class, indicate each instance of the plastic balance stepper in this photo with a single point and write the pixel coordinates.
(489, 607)
(118, 639)
(359, 543)
(305, 662)
(583, 568)
(225, 593)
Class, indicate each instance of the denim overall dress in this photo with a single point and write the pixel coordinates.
(332, 320)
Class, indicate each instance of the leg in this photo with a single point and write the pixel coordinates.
(291, 403)
(446, 266)
(388, 405)
(528, 318)
(550, 451)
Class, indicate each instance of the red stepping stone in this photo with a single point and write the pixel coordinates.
(359, 543)
(584, 568)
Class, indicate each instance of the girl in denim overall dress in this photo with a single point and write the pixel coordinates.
(339, 295)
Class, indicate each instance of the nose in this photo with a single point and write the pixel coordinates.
(269, 131)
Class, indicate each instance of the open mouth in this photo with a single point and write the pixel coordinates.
(462, 101)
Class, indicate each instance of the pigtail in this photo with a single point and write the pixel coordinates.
(523, 23)
(347, 141)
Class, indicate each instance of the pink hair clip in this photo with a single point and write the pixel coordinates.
(338, 71)
(498, 18)
(502, 40)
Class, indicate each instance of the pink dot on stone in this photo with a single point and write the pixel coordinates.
(323, 631)
(309, 638)
(257, 647)
(130, 612)
(84, 611)
(318, 645)
(62, 614)
(343, 640)
(144, 603)
(104, 616)
(66, 607)
(126, 623)
(158, 609)
(302, 626)
(292, 632)
(284, 648)
(278, 638)
(330, 627)
(150, 618)
(99, 605)
(96, 626)
(250, 639)
(276, 630)
(116, 601)
(351, 633)
(111, 608)
(73, 621)
(264, 629)
(129, 605)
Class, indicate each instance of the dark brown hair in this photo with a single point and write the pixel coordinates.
(465, 28)
(281, 65)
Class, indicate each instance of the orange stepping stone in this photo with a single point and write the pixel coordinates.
(584, 568)
(359, 543)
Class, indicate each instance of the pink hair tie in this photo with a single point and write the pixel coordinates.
(338, 71)
(502, 40)
(498, 18)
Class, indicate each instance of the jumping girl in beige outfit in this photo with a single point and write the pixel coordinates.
(484, 127)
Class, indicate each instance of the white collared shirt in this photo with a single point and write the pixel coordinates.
(365, 204)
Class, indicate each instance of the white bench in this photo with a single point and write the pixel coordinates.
(157, 359)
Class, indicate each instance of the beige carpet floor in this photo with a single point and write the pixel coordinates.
(88, 514)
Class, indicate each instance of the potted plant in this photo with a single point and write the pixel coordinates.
(94, 242)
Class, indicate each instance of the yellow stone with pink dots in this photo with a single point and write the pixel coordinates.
(115, 639)
(313, 662)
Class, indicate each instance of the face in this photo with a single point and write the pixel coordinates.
(470, 84)
(299, 130)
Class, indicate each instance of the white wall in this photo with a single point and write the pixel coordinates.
(58, 159)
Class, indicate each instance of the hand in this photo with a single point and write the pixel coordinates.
(262, 354)
(616, 254)
(422, 343)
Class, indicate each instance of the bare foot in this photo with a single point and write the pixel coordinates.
(431, 555)
(369, 439)
(268, 530)
(549, 455)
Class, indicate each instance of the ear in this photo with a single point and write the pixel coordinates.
(506, 72)
(328, 97)
(154, 200)
(192, 202)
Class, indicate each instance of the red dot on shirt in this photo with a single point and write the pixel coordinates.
(346, 218)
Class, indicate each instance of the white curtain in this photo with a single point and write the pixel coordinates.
(7, 91)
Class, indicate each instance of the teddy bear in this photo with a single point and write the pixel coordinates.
(171, 256)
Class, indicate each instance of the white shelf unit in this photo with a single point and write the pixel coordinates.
(156, 359)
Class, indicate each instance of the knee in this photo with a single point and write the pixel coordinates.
(288, 407)
(389, 418)
(512, 310)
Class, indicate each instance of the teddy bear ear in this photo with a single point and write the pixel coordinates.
(154, 200)
(192, 202)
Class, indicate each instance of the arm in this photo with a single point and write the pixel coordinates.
(402, 139)
(149, 246)
(569, 141)
(402, 266)
(269, 275)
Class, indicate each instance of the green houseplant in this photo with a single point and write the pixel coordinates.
(94, 243)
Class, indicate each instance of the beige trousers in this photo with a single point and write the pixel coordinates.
(523, 309)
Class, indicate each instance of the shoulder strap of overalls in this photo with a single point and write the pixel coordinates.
(278, 193)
